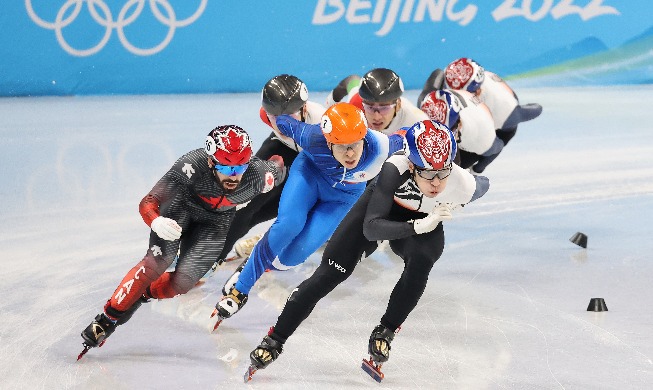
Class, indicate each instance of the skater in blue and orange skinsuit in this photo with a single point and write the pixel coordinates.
(379, 94)
(339, 156)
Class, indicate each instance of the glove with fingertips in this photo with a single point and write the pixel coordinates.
(166, 228)
(431, 221)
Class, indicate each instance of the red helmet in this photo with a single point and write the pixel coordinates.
(229, 145)
(431, 145)
(443, 106)
(464, 73)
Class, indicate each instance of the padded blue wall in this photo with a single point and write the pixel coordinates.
(71, 47)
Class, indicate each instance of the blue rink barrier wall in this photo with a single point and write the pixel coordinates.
(80, 47)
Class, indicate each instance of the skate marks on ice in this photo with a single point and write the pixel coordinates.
(505, 306)
(473, 343)
(485, 320)
(517, 316)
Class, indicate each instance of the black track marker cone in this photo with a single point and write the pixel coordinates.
(579, 239)
(597, 304)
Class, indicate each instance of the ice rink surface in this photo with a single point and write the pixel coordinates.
(505, 308)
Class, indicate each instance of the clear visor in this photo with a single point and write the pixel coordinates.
(344, 148)
(430, 174)
(380, 108)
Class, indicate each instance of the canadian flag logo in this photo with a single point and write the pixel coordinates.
(269, 182)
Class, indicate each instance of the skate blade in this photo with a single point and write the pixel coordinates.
(86, 349)
(372, 369)
(200, 283)
(249, 373)
(218, 320)
(217, 264)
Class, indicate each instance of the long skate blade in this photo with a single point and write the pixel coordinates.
(218, 320)
(249, 373)
(232, 258)
(217, 264)
(86, 349)
(200, 283)
(372, 369)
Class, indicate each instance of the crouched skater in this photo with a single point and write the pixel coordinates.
(189, 210)
(413, 194)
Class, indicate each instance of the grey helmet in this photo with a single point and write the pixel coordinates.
(381, 85)
(284, 94)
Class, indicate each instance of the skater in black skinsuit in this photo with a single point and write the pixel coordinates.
(282, 95)
(414, 193)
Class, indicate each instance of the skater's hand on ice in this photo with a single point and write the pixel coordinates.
(431, 221)
(166, 228)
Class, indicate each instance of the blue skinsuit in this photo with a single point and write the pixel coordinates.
(318, 194)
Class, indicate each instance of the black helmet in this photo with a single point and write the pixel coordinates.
(284, 94)
(381, 85)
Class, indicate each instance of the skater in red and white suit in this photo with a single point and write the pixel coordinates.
(189, 210)
(413, 194)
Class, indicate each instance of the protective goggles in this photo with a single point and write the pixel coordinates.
(344, 148)
(430, 174)
(380, 108)
(231, 170)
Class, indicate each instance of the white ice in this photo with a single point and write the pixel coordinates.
(505, 308)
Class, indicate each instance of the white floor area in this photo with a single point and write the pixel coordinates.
(505, 308)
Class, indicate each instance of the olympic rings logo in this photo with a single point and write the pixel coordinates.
(101, 14)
